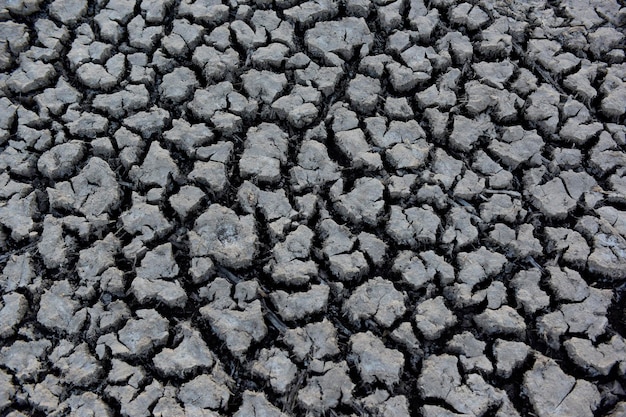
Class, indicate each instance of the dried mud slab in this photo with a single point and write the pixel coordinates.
(312, 208)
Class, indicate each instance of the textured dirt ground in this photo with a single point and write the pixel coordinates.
(319, 208)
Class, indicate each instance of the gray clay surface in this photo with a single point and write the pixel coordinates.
(316, 208)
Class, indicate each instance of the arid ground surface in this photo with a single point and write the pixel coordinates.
(272, 208)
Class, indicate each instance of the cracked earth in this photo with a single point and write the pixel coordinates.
(312, 208)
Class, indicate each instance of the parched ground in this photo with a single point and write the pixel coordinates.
(312, 208)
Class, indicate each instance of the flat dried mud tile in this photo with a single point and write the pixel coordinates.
(60, 161)
(597, 360)
(237, 328)
(404, 335)
(118, 104)
(433, 317)
(502, 207)
(543, 108)
(156, 169)
(433, 195)
(25, 359)
(272, 55)
(262, 160)
(567, 284)
(80, 368)
(353, 145)
(408, 156)
(502, 321)
(188, 137)
(373, 247)
(88, 404)
(122, 372)
(573, 246)
(209, 100)
(363, 203)
(413, 226)
(382, 403)
(93, 192)
(102, 77)
(375, 361)
(17, 215)
(526, 244)
(398, 108)
(329, 387)
(336, 238)
(517, 146)
(509, 356)
(589, 315)
(612, 104)
(554, 393)
(14, 308)
(472, 17)
(144, 401)
(183, 38)
(167, 406)
(45, 394)
(97, 258)
(336, 41)
(205, 11)
(441, 97)
(264, 85)
(471, 353)
(300, 98)
(191, 354)
(469, 186)
(326, 78)
(319, 340)
(16, 38)
(436, 411)
(178, 85)
(211, 174)
(605, 155)
(377, 299)
(348, 266)
(186, 201)
(274, 366)
(527, 291)
(31, 76)
(273, 205)
(363, 93)
(440, 379)
(412, 269)
(148, 122)
(141, 335)
(194, 394)
(299, 305)
(58, 311)
(460, 228)
(255, 404)
(389, 15)
(220, 233)
(608, 233)
(403, 79)
(170, 293)
(397, 132)
(466, 132)
(107, 318)
(478, 265)
(18, 272)
(291, 264)
(11, 187)
(498, 177)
